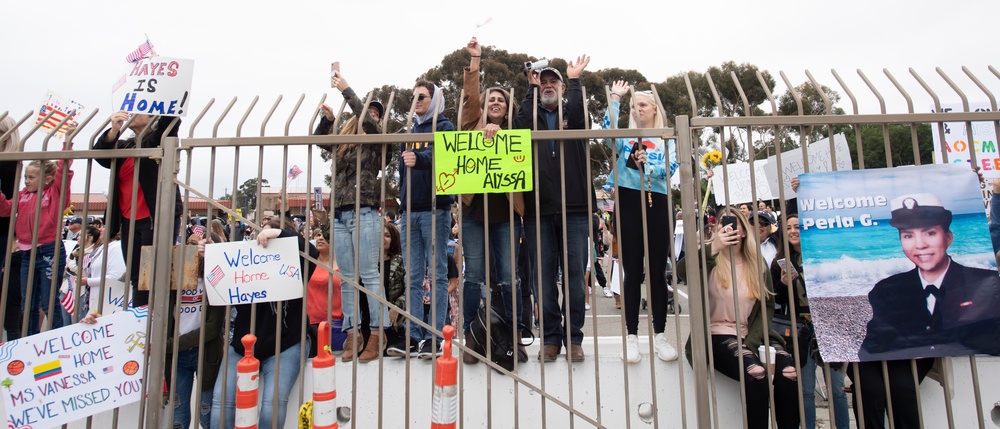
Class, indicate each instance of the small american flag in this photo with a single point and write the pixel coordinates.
(294, 172)
(109, 369)
(68, 301)
(215, 275)
(198, 230)
(139, 53)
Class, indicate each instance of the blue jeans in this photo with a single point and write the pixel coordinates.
(46, 267)
(501, 259)
(809, 395)
(366, 226)
(289, 373)
(187, 367)
(425, 250)
(548, 296)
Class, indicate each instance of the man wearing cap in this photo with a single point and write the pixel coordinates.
(939, 308)
(544, 218)
(768, 241)
(73, 229)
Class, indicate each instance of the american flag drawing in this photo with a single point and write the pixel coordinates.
(215, 275)
(109, 369)
(118, 84)
(294, 172)
(139, 53)
(68, 301)
(60, 109)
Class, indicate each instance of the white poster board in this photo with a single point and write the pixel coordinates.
(792, 163)
(957, 141)
(740, 186)
(69, 373)
(243, 272)
(155, 86)
(114, 297)
(60, 108)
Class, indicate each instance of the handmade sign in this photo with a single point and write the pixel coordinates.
(69, 373)
(740, 187)
(243, 272)
(60, 108)
(190, 270)
(958, 144)
(465, 163)
(793, 164)
(155, 86)
(875, 241)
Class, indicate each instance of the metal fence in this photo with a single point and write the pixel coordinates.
(601, 391)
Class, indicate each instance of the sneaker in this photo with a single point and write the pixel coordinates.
(631, 349)
(399, 349)
(664, 350)
(427, 350)
(607, 293)
(587, 306)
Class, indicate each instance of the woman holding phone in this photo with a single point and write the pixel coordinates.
(736, 321)
(641, 175)
(358, 166)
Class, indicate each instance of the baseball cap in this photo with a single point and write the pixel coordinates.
(551, 70)
(378, 106)
(765, 217)
(77, 220)
(919, 211)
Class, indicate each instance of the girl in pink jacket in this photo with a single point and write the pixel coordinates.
(41, 178)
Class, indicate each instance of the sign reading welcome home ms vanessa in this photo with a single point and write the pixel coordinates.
(466, 163)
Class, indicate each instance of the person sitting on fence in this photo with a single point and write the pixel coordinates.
(642, 174)
(739, 320)
(288, 348)
(42, 179)
(787, 270)
(484, 214)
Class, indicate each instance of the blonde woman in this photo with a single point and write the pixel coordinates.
(739, 315)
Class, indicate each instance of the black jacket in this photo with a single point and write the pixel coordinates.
(267, 314)
(549, 175)
(149, 172)
(901, 326)
(422, 174)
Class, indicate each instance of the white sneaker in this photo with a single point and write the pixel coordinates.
(631, 349)
(664, 350)
(607, 292)
(587, 306)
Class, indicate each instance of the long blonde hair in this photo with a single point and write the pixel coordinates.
(349, 128)
(748, 250)
(12, 142)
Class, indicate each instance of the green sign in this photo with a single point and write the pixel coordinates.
(465, 163)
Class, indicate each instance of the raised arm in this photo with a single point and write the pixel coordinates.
(472, 109)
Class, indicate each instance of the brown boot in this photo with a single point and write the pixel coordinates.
(372, 349)
(618, 301)
(467, 357)
(349, 345)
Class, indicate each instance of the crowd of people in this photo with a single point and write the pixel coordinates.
(537, 251)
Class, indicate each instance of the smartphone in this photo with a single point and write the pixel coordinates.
(781, 263)
(728, 223)
(334, 70)
(317, 198)
(631, 161)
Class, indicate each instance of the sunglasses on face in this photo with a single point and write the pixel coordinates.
(422, 97)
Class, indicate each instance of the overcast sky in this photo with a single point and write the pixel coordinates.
(257, 48)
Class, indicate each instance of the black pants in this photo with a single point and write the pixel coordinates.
(14, 311)
(632, 252)
(905, 414)
(143, 237)
(599, 273)
(786, 394)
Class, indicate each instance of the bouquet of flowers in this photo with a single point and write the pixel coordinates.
(709, 160)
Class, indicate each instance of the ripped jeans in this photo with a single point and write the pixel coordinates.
(187, 366)
(786, 395)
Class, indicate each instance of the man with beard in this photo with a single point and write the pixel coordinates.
(544, 218)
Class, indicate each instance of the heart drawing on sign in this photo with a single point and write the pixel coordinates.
(445, 181)
(518, 158)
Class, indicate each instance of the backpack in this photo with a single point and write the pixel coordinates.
(500, 336)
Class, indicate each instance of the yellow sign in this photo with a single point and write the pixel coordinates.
(465, 163)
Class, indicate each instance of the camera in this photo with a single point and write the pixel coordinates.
(536, 65)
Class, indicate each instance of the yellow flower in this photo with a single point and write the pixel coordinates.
(715, 156)
(710, 159)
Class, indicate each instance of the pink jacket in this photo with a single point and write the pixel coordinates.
(50, 221)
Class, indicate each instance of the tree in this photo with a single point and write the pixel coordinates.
(246, 195)
(900, 143)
